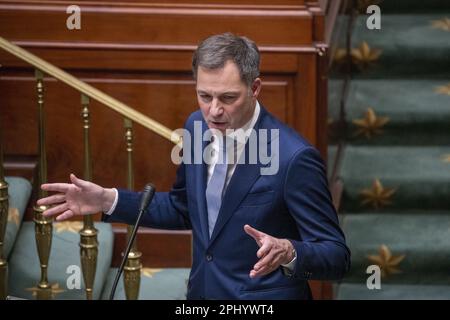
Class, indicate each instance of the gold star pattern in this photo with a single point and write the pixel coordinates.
(363, 4)
(55, 289)
(149, 272)
(14, 216)
(446, 158)
(69, 226)
(442, 24)
(340, 55)
(443, 89)
(386, 261)
(364, 56)
(377, 196)
(370, 125)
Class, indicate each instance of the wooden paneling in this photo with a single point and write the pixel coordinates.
(154, 246)
(162, 25)
(178, 3)
(143, 59)
(305, 116)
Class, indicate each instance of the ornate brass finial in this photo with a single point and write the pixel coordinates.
(43, 226)
(50, 293)
(132, 269)
(88, 235)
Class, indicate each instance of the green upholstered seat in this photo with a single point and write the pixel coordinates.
(156, 284)
(24, 270)
(19, 191)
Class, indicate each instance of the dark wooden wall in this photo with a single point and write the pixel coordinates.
(139, 51)
(140, 54)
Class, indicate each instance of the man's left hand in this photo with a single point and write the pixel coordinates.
(272, 253)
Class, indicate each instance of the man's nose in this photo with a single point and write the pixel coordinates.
(216, 108)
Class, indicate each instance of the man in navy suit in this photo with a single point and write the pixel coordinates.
(263, 223)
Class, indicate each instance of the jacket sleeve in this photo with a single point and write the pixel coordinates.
(321, 251)
(168, 210)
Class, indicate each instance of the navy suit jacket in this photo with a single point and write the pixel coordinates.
(294, 204)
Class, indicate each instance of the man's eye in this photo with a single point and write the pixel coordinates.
(205, 97)
(228, 98)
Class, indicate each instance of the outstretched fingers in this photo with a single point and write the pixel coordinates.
(65, 215)
(56, 187)
(51, 200)
(56, 210)
(265, 266)
(255, 234)
(264, 249)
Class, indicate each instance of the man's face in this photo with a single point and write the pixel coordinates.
(225, 100)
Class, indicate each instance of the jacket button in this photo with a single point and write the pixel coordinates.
(209, 257)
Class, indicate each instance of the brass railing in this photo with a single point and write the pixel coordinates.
(132, 269)
(43, 225)
(89, 91)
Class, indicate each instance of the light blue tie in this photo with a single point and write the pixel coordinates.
(215, 188)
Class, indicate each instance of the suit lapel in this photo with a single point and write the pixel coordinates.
(201, 178)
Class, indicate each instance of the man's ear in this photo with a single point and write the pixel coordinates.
(256, 87)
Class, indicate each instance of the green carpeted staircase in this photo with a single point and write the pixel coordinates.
(395, 167)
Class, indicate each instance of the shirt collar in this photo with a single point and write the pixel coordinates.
(241, 135)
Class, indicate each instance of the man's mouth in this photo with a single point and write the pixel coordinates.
(218, 123)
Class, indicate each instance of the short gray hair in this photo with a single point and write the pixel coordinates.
(215, 51)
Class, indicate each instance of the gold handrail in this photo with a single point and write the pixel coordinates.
(90, 91)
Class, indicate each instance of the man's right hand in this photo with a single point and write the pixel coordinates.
(77, 198)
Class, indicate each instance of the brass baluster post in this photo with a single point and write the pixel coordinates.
(42, 225)
(3, 221)
(88, 235)
(133, 266)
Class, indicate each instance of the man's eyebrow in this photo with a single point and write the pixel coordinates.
(200, 91)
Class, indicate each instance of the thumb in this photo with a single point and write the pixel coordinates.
(255, 234)
(78, 182)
